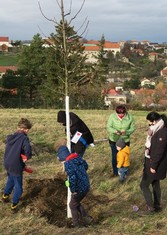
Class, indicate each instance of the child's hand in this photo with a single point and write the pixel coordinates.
(28, 169)
(24, 158)
(74, 193)
(67, 183)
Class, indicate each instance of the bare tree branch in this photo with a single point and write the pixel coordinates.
(53, 90)
(51, 20)
(82, 24)
(70, 5)
(41, 31)
(69, 10)
(77, 82)
(61, 79)
(77, 12)
(58, 4)
(84, 29)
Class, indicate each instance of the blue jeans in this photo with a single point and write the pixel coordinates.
(122, 172)
(114, 158)
(15, 184)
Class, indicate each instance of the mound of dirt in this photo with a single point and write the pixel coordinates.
(48, 198)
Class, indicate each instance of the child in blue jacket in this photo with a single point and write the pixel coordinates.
(17, 144)
(76, 170)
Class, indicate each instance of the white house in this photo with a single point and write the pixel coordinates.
(91, 49)
(114, 97)
(147, 82)
(4, 44)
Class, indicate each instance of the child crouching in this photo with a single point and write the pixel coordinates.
(123, 162)
(76, 170)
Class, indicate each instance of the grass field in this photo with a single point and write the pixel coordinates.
(8, 60)
(43, 205)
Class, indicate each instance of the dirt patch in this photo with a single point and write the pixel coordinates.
(48, 198)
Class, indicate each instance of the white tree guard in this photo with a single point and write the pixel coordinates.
(69, 147)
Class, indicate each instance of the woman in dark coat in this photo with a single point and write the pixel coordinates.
(155, 166)
(76, 124)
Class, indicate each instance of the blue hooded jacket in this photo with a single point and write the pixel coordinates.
(17, 144)
(76, 170)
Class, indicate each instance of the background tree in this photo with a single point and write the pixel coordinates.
(9, 80)
(31, 65)
(160, 92)
(101, 66)
(126, 51)
(12, 84)
(62, 62)
(133, 83)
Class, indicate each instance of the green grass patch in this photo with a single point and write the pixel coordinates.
(9, 60)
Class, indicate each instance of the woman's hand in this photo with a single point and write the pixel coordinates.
(118, 132)
(123, 132)
(152, 170)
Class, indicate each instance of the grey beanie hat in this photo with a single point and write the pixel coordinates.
(120, 143)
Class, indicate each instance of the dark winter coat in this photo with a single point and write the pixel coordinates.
(16, 144)
(158, 155)
(76, 170)
(76, 124)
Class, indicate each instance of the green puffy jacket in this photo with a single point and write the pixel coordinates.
(114, 124)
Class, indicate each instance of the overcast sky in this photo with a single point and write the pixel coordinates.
(115, 19)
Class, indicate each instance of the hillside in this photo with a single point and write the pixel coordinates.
(43, 205)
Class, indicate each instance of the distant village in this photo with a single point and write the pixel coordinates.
(155, 51)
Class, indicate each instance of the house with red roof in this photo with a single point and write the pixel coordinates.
(153, 56)
(113, 96)
(134, 42)
(4, 40)
(4, 69)
(4, 44)
(138, 51)
(91, 49)
(145, 42)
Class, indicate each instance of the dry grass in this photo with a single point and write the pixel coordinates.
(108, 202)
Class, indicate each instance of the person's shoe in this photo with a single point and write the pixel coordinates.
(5, 198)
(114, 175)
(76, 225)
(121, 181)
(14, 207)
(148, 211)
(87, 220)
(158, 209)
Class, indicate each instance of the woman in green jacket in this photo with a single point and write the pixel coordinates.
(120, 123)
